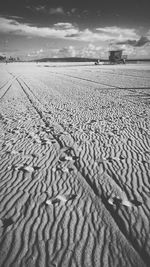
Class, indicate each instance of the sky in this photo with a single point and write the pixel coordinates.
(66, 28)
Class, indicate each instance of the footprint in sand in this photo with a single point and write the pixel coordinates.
(60, 199)
(26, 168)
(6, 222)
(66, 158)
(31, 168)
(118, 201)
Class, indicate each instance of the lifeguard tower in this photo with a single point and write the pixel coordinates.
(115, 56)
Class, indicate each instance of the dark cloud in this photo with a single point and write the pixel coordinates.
(128, 42)
(137, 43)
(142, 41)
(72, 35)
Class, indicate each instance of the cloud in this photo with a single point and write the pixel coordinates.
(127, 42)
(63, 25)
(57, 11)
(45, 9)
(85, 12)
(53, 10)
(143, 52)
(39, 8)
(15, 17)
(2, 54)
(73, 10)
(40, 51)
(66, 52)
(68, 31)
(91, 51)
(118, 33)
(35, 53)
(105, 34)
(141, 42)
(137, 51)
(88, 36)
(59, 30)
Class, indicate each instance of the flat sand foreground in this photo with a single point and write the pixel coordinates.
(75, 165)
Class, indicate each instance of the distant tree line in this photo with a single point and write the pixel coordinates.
(8, 59)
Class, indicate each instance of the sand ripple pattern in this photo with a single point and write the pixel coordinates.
(74, 166)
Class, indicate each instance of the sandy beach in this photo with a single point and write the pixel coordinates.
(74, 165)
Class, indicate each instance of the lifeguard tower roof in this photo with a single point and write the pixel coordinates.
(115, 52)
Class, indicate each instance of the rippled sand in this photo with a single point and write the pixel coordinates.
(75, 165)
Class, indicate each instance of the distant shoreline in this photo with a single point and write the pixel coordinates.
(75, 60)
(84, 60)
